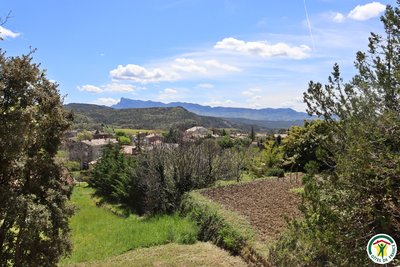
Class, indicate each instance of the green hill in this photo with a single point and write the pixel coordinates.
(145, 118)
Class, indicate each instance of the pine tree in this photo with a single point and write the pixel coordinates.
(359, 197)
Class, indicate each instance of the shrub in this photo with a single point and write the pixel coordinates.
(124, 140)
(73, 166)
(155, 181)
(84, 135)
(275, 172)
(223, 228)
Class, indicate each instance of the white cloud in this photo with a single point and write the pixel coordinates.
(201, 67)
(6, 33)
(188, 65)
(338, 17)
(293, 103)
(90, 88)
(253, 97)
(263, 49)
(367, 11)
(112, 87)
(251, 91)
(168, 94)
(179, 69)
(205, 85)
(119, 87)
(170, 91)
(106, 101)
(140, 74)
(216, 64)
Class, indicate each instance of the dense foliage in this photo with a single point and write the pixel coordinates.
(358, 198)
(266, 159)
(155, 180)
(307, 144)
(33, 189)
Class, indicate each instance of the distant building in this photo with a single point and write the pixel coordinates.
(152, 139)
(284, 135)
(129, 150)
(197, 132)
(87, 151)
(261, 135)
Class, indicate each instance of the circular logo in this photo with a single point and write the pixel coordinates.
(381, 248)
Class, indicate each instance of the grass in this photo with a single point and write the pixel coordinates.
(245, 177)
(297, 190)
(224, 228)
(199, 254)
(98, 233)
(135, 131)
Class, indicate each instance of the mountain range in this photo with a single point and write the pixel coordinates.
(265, 114)
(145, 118)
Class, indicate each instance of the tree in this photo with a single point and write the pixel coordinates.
(360, 196)
(84, 135)
(34, 190)
(112, 176)
(252, 134)
(305, 144)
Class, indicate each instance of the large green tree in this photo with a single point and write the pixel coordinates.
(304, 144)
(34, 190)
(358, 198)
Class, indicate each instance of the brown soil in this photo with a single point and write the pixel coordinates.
(264, 203)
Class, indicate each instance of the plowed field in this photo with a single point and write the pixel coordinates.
(264, 203)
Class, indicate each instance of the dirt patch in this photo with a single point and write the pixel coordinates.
(264, 203)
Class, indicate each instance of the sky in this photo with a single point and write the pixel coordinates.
(238, 53)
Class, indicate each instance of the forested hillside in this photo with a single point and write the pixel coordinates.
(145, 118)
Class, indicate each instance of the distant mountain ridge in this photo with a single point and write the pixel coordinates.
(146, 118)
(265, 114)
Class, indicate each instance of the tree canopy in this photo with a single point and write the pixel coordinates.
(33, 188)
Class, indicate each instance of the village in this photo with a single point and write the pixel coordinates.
(86, 147)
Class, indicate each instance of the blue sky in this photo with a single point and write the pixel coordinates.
(215, 52)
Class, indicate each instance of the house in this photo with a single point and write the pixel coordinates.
(129, 150)
(87, 151)
(197, 132)
(152, 139)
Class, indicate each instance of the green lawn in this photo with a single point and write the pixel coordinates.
(98, 234)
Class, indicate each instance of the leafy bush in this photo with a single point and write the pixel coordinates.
(223, 228)
(124, 140)
(226, 142)
(275, 172)
(73, 166)
(121, 133)
(84, 135)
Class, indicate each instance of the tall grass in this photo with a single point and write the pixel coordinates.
(98, 233)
